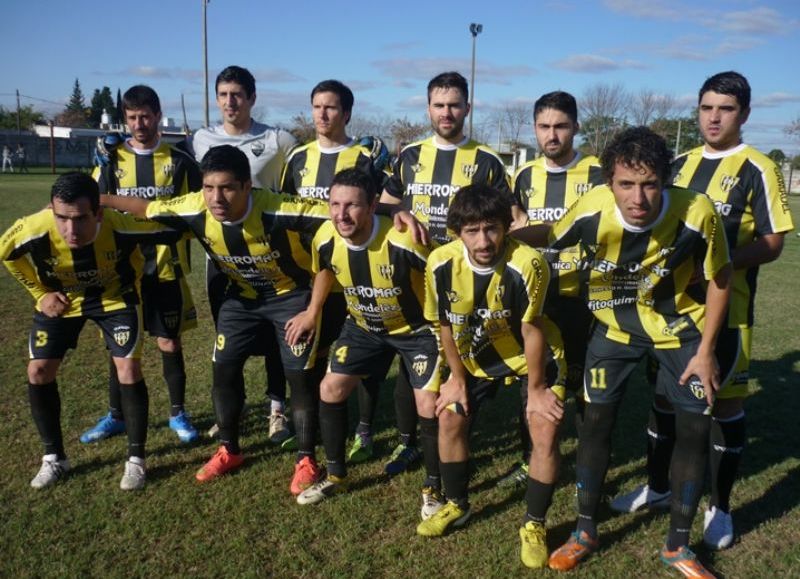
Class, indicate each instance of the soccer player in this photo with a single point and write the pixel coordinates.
(146, 167)
(309, 173)
(424, 179)
(644, 245)
(546, 187)
(486, 291)
(81, 263)
(382, 273)
(748, 191)
(267, 149)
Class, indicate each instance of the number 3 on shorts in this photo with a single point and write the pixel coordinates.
(598, 378)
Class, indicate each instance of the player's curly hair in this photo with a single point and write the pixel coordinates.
(637, 146)
(355, 177)
(140, 96)
(476, 203)
(447, 80)
(346, 98)
(240, 76)
(729, 83)
(226, 159)
(75, 185)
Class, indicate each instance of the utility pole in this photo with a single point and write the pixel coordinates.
(474, 29)
(18, 115)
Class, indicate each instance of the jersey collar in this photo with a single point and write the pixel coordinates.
(141, 151)
(559, 169)
(367, 243)
(723, 154)
(246, 213)
(635, 229)
(489, 269)
(337, 148)
(449, 146)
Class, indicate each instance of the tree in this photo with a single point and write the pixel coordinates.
(75, 113)
(27, 117)
(302, 128)
(404, 131)
(101, 101)
(778, 156)
(648, 106)
(603, 109)
(680, 133)
(516, 116)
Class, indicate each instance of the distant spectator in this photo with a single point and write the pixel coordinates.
(22, 158)
(7, 159)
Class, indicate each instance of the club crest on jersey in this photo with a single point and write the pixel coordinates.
(257, 148)
(171, 321)
(452, 296)
(121, 335)
(208, 241)
(51, 261)
(303, 172)
(417, 167)
(420, 364)
(168, 169)
(120, 173)
(113, 255)
(500, 291)
(298, 349)
(696, 386)
(728, 182)
(386, 270)
(468, 170)
(582, 188)
(335, 269)
(264, 239)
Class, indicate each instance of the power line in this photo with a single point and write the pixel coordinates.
(33, 98)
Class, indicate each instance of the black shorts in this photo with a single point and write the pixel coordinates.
(167, 307)
(334, 312)
(358, 352)
(478, 390)
(573, 319)
(242, 320)
(609, 364)
(50, 338)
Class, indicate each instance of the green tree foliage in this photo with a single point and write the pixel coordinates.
(777, 155)
(75, 114)
(27, 117)
(101, 100)
(303, 128)
(689, 133)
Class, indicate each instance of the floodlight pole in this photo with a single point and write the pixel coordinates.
(205, 62)
(474, 29)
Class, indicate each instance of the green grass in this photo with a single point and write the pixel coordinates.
(248, 524)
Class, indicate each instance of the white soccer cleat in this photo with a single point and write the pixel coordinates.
(51, 471)
(717, 529)
(134, 477)
(639, 498)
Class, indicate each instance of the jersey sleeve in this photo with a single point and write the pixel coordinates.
(287, 177)
(167, 212)
(433, 311)
(536, 277)
(771, 202)
(14, 253)
(393, 184)
(322, 249)
(104, 178)
(144, 230)
(522, 182)
(716, 256)
(303, 215)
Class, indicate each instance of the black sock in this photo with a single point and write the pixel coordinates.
(114, 397)
(594, 450)
(660, 442)
(367, 404)
(728, 438)
(580, 408)
(174, 372)
(227, 393)
(135, 405)
(455, 478)
(276, 377)
(405, 408)
(305, 408)
(687, 471)
(524, 433)
(46, 411)
(538, 497)
(429, 438)
(333, 425)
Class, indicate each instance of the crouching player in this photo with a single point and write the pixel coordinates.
(381, 271)
(82, 263)
(486, 290)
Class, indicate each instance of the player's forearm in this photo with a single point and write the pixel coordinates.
(717, 298)
(533, 235)
(323, 282)
(534, 347)
(23, 272)
(133, 205)
(758, 252)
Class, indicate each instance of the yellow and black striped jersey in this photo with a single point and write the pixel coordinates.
(485, 306)
(383, 280)
(97, 278)
(162, 172)
(546, 193)
(637, 280)
(310, 168)
(748, 190)
(259, 252)
(426, 176)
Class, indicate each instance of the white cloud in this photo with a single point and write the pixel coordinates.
(594, 63)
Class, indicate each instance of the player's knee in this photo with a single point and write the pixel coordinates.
(426, 403)
(169, 345)
(451, 424)
(334, 388)
(42, 371)
(129, 370)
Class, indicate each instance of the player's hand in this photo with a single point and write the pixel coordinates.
(544, 402)
(54, 304)
(403, 219)
(300, 328)
(453, 391)
(106, 148)
(378, 152)
(704, 368)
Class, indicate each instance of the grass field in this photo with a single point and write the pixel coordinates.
(247, 524)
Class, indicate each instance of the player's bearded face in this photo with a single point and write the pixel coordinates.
(234, 104)
(143, 126)
(447, 109)
(76, 222)
(351, 214)
(721, 118)
(637, 193)
(484, 241)
(555, 133)
(226, 198)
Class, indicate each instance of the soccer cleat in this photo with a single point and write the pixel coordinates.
(403, 458)
(51, 471)
(183, 427)
(106, 427)
(686, 562)
(278, 427)
(222, 462)
(717, 529)
(516, 478)
(324, 489)
(568, 555)
(639, 498)
(432, 502)
(450, 515)
(306, 473)
(361, 450)
(214, 430)
(534, 545)
(134, 477)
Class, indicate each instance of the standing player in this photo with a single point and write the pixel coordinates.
(749, 193)
(308, 173)
(81, 263)
(144, 166)
(644, 245)
(424, 179)
(382, 273)
(267, 149)
(546, 188)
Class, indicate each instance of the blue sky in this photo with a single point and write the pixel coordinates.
(387, 51)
